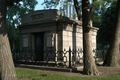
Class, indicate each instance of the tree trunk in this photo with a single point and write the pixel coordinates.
(89, 62)
(112, 57)
(7, 70)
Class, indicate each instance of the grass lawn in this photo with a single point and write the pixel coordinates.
(38, 75)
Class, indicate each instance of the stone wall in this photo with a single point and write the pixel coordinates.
(59, 32)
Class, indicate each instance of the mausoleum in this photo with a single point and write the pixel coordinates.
(44, 29)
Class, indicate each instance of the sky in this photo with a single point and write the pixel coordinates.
(39, 6)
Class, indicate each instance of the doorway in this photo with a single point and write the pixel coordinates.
(39, 45)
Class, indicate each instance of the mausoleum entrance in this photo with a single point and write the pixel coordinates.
(39, 45)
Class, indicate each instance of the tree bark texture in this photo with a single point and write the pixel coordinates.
(7, 70)
(89, 62)
(112, 57)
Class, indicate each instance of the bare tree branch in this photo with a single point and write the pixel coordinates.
(77, 9)
(92, 8)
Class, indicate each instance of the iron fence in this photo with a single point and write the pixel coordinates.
(50, 57)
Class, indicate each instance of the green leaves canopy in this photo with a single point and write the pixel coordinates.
(105, 28)
(13, 17)
(102, 16)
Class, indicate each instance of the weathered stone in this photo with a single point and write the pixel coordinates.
(55, 32)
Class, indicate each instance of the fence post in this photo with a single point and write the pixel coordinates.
(69, 57)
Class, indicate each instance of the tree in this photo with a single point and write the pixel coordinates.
(105, 24)
(113, 57)
(89, 63)
(7, 71)
(14, 14)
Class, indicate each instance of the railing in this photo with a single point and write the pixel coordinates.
(49, 57)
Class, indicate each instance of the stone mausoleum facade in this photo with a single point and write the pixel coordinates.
(44, 29)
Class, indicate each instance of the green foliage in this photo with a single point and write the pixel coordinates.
(11, 2)
(102, 16)
(13, 19)
(51, 3)
(97, 5)
(105, 28)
